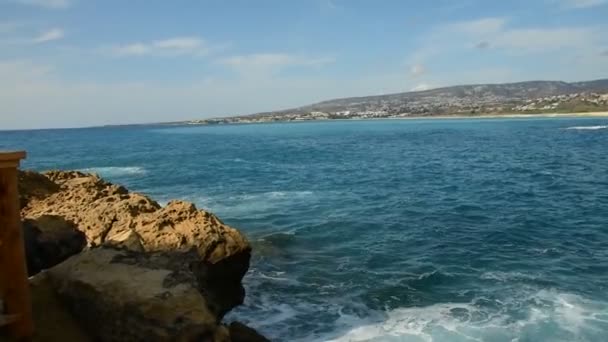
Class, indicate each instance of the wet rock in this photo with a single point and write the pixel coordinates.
(239, 332)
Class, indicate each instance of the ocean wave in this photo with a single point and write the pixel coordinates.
(116, 171)
(588, 127)
(507, 276)
(547, 316)
(251, 204)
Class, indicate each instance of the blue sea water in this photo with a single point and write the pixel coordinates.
(392, 230)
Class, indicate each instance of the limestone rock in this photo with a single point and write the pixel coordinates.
(50, 240)
(52, 320)
(150, 273)
(34, 185)
(127, 296)
(110, 215)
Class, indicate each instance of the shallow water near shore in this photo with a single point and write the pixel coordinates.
(388, 230)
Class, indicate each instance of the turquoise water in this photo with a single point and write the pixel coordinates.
(395, 230)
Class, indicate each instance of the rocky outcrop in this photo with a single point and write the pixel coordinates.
(136, 295)
(147, 273)
(239, 332)
(49, 240)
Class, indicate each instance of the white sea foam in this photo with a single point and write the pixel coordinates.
(545, 316)
(116, 171)
(262, 203)
(507, 276)
(588, 127)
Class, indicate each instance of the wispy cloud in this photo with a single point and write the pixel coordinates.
(272, 62)
(167, 47)
(478, 26)
(10, 39)
(604, 53)
(421, 87)
(543, 39)
(579, 4)
(328, 6)
(49, 35)
(497, 34)
(52, 4)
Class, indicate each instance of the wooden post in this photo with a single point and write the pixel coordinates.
(14, 286)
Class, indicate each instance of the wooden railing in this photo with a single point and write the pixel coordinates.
(16, 315)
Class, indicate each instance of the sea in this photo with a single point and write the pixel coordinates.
(385, 230)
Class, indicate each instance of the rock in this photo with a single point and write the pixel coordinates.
(110, 215)
(50, 240)
(52, 320)
(125, 296)
(34, 185)
(149, 273)
(239, 332)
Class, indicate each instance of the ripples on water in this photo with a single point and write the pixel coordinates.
(421, 230)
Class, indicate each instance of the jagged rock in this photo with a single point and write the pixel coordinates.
(52, 321)
(110, 215)
(239, 332)
(34, 185)
(50, 240)
(118, 295)
(150, 273)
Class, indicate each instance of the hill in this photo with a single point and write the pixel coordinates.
(521, 97)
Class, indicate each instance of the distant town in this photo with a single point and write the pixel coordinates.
(534, 97)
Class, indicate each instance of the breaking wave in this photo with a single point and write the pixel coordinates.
(116, 171)
(591, 128)
(542, 316)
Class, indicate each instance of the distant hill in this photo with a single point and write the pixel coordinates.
(520, 97)
(480, 94)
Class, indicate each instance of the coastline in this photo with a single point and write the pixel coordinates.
(430, 117)
(514, 116)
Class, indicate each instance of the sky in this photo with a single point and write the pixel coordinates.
(73, 63)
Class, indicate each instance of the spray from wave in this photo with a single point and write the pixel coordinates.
(116, 171)
(542, 316)
(587, 128)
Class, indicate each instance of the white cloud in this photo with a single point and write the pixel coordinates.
(171, 46)
(271, 62)
(37, 96)
(421, 87)
(329, 7)
(54, 4)
(541, 39)
(181, 43)
(579, 4)
(511, 52)
(34, 95)
(49, 35)
(478, 26)
(131, 49)
(495, 33)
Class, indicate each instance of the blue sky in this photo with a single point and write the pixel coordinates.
(68, 63)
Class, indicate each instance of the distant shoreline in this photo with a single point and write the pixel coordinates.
(430, 117)
(512, 115)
